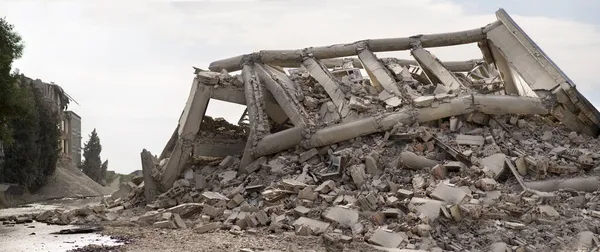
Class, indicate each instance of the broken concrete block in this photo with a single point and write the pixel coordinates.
(201, 229)
(308, 194)
(235, 201)
(548, 211)
(343, 216)
(186, 210)
(386, 238)
(495, 164)
(357, 172)
(439, 171)
(44, 216)
(305, 156)
(450, 194)
(487, 184)
(371, 165)
(521, 165)
(325, 187)
(404, 194)
(413, 161)
(164, 224)
(301, 210)
(453, 124)
(547, 136)
(179, 222)
(368, 202)
(212, 211)
(226, 162)
(317, 227)
(455, 166)
(470, 140)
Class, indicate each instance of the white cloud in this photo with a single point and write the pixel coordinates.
(128, 63)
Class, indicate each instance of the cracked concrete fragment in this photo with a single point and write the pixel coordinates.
(449, 194)
(343, 216)
(386, 238)
(315, 226)
(413, 161)
(470, 140)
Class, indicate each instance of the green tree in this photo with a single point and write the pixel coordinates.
(92, 163)
(22, 156)
(12, 97)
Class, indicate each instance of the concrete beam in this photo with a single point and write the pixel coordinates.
(434, 67)
(454, 66)
(189, 125)
(380, 76)
(282, 57)
(280, 86)
(259, 123)
(329, 83)
(487, 104)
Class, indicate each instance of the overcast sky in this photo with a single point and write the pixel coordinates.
(129, 63)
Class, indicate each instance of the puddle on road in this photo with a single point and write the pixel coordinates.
(19, 238)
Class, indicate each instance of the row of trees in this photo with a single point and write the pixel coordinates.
(29, 131)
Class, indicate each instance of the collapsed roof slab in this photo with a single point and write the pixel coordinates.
(538, 70)
(283, 57)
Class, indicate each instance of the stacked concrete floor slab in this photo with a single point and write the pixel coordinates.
(492, 154)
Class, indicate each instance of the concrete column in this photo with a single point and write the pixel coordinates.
(189, 125)
(434, 69)
(329, 83)
(259, 122)
(380, 76)
(278, 84)
(151, 188)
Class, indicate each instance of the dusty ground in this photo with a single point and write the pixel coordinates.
(149, 239)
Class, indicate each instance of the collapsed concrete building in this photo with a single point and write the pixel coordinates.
(317, 129)
(271, 96)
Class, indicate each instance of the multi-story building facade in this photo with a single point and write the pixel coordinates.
(70, 122)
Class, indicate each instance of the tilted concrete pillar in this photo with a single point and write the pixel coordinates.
(434, 69)
(151, 188)
(259, 121)
(189, 125)
(380, 76)
(279, 84)
(329, 83)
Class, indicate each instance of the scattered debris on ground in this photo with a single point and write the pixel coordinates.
(423, 155)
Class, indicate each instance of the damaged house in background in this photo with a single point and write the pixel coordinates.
(417, 141)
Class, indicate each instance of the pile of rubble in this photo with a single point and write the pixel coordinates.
(421, 155)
